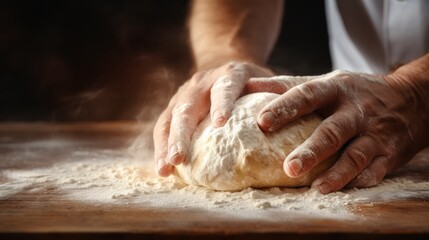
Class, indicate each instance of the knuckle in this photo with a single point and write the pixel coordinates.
(182, 109)
(332, 134)
(230, 66)
(337, 76)
(197, 81)
(234, 65)
(341, 74)
(197, 77)
(223, 82)
(356, 159)
(307, 93)
(348, 80)
(238, 70)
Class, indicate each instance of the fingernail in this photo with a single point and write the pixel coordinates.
(295, 166)
(267, 119)
(324, 188)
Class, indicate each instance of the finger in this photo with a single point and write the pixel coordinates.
(298, 101)
(185, 118)
(354, 159)
(326, 140)
(277, 84)
(372, 175)
(223, 94)
(160, 138)
(229, 87)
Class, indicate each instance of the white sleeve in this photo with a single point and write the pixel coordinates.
(373, 36)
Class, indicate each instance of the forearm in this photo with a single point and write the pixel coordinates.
(225, 30)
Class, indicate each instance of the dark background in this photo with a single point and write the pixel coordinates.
(118, 60)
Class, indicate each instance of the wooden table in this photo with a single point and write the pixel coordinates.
(49, 215)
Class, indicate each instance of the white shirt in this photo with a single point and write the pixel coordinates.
(374, 36)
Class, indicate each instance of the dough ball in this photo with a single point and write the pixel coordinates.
(239, 155)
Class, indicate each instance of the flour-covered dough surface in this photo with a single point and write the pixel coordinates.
(239, 155)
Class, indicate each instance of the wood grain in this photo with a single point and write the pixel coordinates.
(50, 215)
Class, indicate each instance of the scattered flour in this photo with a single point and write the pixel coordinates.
(117, 177)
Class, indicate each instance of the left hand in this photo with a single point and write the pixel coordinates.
(213, 92)
(372, 119)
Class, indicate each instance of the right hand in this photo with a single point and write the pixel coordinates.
(213, 91)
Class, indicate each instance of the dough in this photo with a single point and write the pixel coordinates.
(239, 155)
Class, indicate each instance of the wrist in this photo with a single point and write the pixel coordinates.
(209, 60)
(413, 88)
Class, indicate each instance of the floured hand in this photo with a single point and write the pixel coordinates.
(213, 91)
(376, 121)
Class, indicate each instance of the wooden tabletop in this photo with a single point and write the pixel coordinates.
(25, 214)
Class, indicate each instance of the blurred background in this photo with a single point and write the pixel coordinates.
(121, 60)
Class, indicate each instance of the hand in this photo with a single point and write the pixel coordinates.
(374, 120)
(211, 91)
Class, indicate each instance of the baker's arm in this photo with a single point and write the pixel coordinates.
(231, 41)
(240, 30)
(378, 122)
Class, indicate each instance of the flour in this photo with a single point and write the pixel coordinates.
(117, 177)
